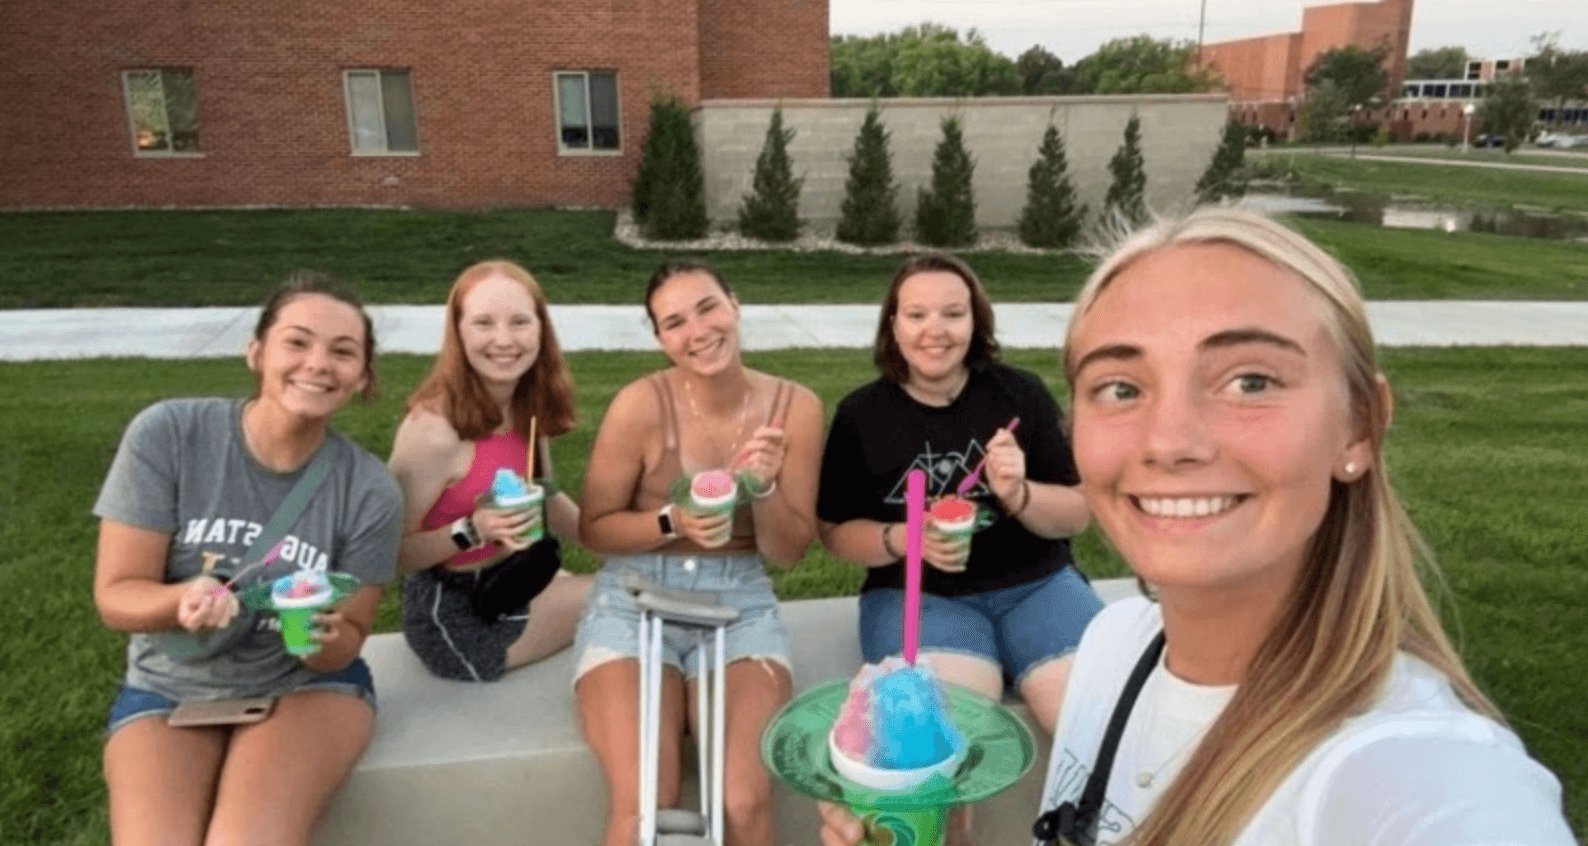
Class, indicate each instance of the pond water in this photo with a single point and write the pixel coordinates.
(1378, 210)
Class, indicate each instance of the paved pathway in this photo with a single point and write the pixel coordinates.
(219, 332)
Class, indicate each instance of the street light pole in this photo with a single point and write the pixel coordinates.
(1466, 127)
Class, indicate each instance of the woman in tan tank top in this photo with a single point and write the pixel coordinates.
(707, 411)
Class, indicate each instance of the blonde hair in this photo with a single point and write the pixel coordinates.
(1357, 600)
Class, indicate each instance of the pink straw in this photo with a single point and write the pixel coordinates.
(969, 482)
(914, 521)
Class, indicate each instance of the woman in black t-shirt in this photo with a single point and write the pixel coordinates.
(1010, 605)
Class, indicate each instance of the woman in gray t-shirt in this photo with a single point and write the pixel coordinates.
(190, 491)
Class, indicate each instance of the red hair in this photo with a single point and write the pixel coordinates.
(452, 388)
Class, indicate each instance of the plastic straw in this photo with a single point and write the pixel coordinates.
(969, 482)
(914, 522)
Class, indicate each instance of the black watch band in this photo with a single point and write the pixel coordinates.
(464, 534)
(664, 522)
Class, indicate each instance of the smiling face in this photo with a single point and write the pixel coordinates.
(1210, 416)
(697, 322)
(933, 326)
(499, 330)
(311, 359)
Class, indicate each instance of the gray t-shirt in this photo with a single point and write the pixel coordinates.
(183, 469)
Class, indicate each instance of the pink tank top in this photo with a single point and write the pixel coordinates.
(490, 452)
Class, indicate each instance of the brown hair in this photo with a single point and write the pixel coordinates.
(299, 283)
(674, 267)
(983, 348)
(453, 389)
(1357, 600)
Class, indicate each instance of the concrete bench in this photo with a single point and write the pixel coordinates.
(503, 763)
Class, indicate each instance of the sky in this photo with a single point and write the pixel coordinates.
(1071, 29)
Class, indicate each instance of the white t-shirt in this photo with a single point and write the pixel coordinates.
(1419, 769)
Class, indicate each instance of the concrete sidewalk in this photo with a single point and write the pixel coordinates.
(219, 332)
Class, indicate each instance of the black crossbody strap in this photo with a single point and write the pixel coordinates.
(1064, 819)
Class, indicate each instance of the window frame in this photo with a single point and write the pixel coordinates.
(380, 105)
(564, 149)
(132, 126)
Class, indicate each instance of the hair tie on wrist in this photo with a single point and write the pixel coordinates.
(1025, 486)
(766, 492)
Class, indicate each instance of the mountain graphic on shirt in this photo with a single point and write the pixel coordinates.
(944, 470)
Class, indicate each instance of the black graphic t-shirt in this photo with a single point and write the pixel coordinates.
(880, 433)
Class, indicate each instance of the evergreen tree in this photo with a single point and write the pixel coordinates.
(669, 199)
(945, 214)
(1127, 195)
(868, 214)
(1224, 178)
(1052, 217)
(771, 211)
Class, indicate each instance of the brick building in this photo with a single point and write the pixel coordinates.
(470, 103)
(1266, 73)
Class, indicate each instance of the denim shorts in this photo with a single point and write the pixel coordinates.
(134, 703)
(1019, 628)
(609, 625)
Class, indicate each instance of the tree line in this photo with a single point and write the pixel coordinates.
(932, 60)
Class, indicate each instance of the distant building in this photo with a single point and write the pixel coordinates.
(469, 103)
(1266, 73)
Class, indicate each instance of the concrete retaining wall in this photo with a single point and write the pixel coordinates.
(1179, 135)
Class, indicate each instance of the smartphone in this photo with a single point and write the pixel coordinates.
(220, 712)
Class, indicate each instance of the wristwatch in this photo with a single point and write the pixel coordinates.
(464, 533)
(664, 521)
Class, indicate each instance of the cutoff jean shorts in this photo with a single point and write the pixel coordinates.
(1019, 628)
(609, 625)
(135, 703)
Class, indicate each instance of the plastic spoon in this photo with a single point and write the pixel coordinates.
(914, 522)
(969, 482)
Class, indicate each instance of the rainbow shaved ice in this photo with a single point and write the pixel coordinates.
(301, 589)
(896, 717)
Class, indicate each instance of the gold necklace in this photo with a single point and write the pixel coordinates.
(730, 454)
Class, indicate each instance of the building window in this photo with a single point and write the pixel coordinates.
(587, 111)
(380, 112)
(162, 109)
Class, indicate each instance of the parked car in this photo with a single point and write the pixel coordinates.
(1561, 140)
(1489, 139)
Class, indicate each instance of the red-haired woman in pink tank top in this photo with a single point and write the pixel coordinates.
(467, 609)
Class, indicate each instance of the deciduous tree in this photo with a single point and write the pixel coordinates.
(927, 60)
(1557, 74)
(1438, 63)
(1508, 109)
(1145, 65)
(1042, 72)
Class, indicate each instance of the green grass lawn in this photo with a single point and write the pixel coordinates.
(1523, 156)
(193, 258)
(1472, 186)
(1489, 450)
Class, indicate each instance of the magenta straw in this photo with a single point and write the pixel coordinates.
(914, 522)
(969, 482)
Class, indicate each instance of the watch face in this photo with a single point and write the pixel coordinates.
(664, 521)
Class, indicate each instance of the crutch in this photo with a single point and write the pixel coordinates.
(703, 612)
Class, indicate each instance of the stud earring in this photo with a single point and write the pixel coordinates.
(1350, 468)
